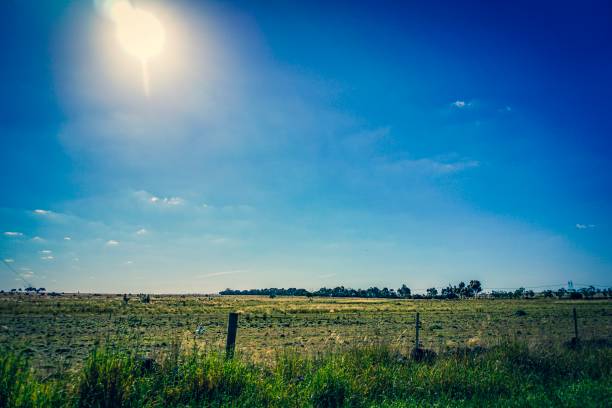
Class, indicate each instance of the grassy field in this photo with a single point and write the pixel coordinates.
(62, 330)
(52, 338)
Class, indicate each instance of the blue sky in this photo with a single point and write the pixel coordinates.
(307, 145)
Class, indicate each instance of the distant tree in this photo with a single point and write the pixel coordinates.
(519, 293)
(450, 292)
(404, 291)
(561, 293)
(126, 299)
(548, 293)
(589, 292)
(432, 292)
(460, 289)
(502, 294)
(475, 286)
(575, 295)
(529, 294)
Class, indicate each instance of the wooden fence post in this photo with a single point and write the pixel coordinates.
(418, 326)
(575, 327)
(232, 327)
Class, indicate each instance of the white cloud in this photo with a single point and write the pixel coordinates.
(167, 200)
(112, 242)
(460, 104)
(160, 201)
(9, 260)
(46, 251)
(47, 257)
(129, 262)
(223, 273)
(67, 239)
(430, 166)
(173, 201)
(13, 234)
(42, 212)
(585, 226)
(28, 274)
(142, 231)
(37, 239)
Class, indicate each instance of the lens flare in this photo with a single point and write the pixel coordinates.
(139, 33)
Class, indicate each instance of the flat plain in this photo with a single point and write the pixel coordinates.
(57, 333)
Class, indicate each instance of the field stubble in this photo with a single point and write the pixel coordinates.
(59, 332)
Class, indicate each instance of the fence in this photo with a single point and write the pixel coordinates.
(416, 344)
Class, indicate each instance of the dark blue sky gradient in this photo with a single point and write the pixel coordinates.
(530, 151)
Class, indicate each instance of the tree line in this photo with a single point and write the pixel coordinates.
(460, 291)
(561, 293)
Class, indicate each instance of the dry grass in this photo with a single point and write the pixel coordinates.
(59, 332)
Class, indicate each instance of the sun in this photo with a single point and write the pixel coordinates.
(139, 33)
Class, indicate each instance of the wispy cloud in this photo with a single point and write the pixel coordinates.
(112, 242)
(47, 257)
(585, 226)
(42, 212)
(9, 260)
(46, 251)
(430, 166)
(142, 231)
(171, 201)
(13, 234)
(167, 200)
(67, 239)
(223, 273)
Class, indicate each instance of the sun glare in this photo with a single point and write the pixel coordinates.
(139, 33)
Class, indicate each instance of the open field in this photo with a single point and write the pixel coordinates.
(57, 333)
(98, 351)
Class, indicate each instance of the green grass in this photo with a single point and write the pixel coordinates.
(510, 374)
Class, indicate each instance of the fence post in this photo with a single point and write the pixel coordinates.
(232, 327)
(575, 327)
(418, 326)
